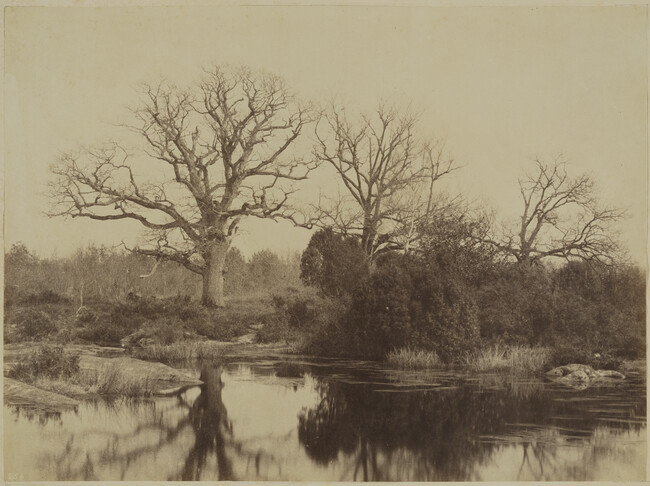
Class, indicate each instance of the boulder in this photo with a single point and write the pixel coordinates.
(581, 376)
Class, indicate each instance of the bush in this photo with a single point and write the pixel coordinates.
(381, 313)
(299, 314)
(413, 301)
(48, 361)
(34, 324)
(450, 326)
(45, 297)
(276, 330)
(333, 263)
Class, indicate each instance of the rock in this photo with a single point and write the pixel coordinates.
(611, 374)
(29, 397)
(133, 338)
(581, 376)
(160, 375)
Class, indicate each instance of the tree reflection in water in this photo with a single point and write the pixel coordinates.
(359, 426)
(209, 420)
(449, 433)
(210, 455)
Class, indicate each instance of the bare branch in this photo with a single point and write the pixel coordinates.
(561, 218)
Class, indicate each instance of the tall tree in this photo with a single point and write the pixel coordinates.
(382, 166)
(561, 217)
(221, 151)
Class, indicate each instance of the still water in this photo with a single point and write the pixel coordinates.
(341, 420)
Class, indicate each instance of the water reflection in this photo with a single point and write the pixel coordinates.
(337, 421)
(450, 433)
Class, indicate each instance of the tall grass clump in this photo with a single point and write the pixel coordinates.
(108, 380)
(413, 358)
(515, 358)
(528, 358)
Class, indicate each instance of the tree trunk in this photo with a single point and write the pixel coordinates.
(215, 259)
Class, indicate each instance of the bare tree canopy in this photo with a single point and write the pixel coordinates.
(220, 153)
(385, 171)
(561, 218)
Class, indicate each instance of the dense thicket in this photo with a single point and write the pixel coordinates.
(454, 294)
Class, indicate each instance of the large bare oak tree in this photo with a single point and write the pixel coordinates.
(561, 218)
(384, 169)
(214, 154)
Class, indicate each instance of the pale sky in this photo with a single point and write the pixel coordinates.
(499, 85)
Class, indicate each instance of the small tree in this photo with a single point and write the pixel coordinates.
(561, 218)
(382, 166)
(220, 149)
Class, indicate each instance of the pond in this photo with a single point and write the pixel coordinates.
(318, 420)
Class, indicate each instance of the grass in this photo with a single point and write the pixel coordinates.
(516, 358)
(105, 382)
(51, 368)
(109, 381)
(178, 352)
(408, 358)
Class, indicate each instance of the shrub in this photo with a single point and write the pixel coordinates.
(34, 324)
(333, 263)
(300, 315)
(451, 319)
(48, 361)
(45, 297)
(380, 316)
(276, 330)
(106, 327)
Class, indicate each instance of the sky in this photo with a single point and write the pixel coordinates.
(500, 86)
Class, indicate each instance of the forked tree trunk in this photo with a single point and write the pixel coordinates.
(215, 259)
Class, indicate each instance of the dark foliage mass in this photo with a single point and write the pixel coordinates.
(333, 263)
(454, 294)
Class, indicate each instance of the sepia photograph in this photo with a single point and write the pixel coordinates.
(355, 242)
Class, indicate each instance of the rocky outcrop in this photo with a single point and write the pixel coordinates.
(160, 376)
(34, 399)
(581, 376)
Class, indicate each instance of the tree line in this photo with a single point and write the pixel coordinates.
(110, 274)
(228, 148)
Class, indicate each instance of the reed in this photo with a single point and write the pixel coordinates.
(409, 358)
(515, 358)
(110, 381)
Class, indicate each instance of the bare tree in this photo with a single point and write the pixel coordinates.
(384, 170)
(220, 149)
(561, 218)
